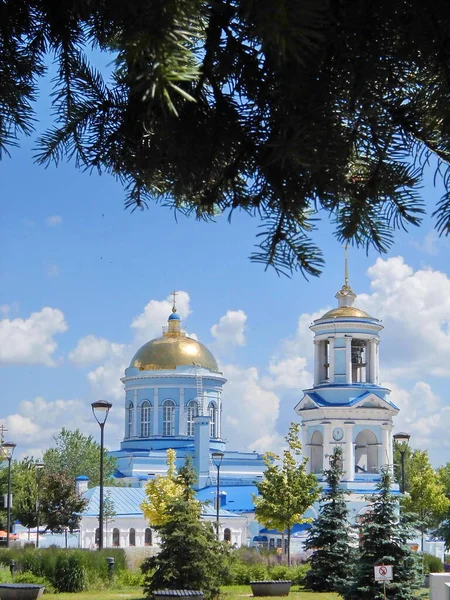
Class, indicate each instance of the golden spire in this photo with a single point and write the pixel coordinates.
(346, 266)
(174, 294)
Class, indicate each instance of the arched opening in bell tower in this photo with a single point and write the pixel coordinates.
(359, 361)
(317, 452)
(366, 452)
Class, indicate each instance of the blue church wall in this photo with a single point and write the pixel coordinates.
(339, 363)
(145, 394)
(376, 429)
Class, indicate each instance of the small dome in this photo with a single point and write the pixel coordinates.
(171, 351)
(174, 317)
(345, 312)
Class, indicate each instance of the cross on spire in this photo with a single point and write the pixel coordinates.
(2, 433)
(174, 294)
(346, 265)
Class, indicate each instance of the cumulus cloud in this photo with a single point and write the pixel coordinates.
(288, 373)
(31, 341)
(229, 331)
(105, 379)
(148, 324)
(92, 349)
(54, 220)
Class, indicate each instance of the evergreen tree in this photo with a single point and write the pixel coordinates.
(190, 556)
(330, 536)
(384, 537)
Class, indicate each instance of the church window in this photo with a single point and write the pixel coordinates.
(316, 452)
(227, 535)
(130, 408)
(359, 361)
(146, 413)
(192, 412)
(212, 410)
(168, 418)
(116, 537)
(366, 452)
(148, 541)
(272, 543)
(326, 360)
(132, 537)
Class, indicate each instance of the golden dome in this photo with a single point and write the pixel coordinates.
(345, 312)
(171, 351)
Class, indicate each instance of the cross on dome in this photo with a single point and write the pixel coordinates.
(174, 294)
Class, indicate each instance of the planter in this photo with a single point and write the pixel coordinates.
(173, 594)
(20, 591)
(270, 588)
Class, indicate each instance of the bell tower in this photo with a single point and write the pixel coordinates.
(347, 405)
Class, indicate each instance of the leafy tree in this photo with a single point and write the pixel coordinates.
(76, 454)
(288, 111)
(61, 505)
(190, 556)
(330, 535)
(24, 489)
(384, 539)
(286, 491)
(426, 498)
(109, 512)
(161, 492)
(443, 474)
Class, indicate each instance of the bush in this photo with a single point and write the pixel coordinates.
(432, 564)
(28, 577)
(69, 574)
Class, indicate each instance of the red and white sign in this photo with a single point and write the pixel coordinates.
(384, 572)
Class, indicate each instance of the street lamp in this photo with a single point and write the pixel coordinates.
(402, 440)
(100, 410)
(7, 453)
(217, 458)
(39, 466)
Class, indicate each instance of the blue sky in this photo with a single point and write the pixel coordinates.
(77, 270)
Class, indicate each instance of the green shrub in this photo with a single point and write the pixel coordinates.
(129, 579)
(69, 574)
(28, 577)
(432, 564)
(5, 575)
(280, 572)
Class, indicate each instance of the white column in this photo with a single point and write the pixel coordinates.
(332, 361)
(377, 362)
(316, 362)
(219, 415)
(348, 359)
(386, 447)
(327, 449)
(136, 415)
(182, 414)
(349, 454)
(372, 361)
(155, 412)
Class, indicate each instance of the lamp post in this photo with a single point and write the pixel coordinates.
(402, 440)
(39, 466)
(217, 458)
(7, 452)
(100, 410)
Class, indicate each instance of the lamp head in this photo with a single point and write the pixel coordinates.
(8, 450)
(402, 438)
(100, 410)
(39, 466)
(217, 458)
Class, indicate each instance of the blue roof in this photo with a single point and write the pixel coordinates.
(174, 317)
(296, 530)
(82, 478)
(127, 501)
(322, 402)
(238, 497)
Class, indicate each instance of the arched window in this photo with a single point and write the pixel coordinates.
(366, 452)
(212, 411)
(359, 361)
(168, 425)
(146, 416)
(227, 535)
(130, 411)
(316, 452)
(116, 537)
(132, 537)
(148, 541)
(192, 411)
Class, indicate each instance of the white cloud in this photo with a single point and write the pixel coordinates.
(92, 349)
(149, 323)
(105, 380)
(229, 331)
(288, 373)
(31, 341)
(53, 271)
(54, 220)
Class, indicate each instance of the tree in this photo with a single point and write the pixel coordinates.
(286, 491)
(190, 556)
(426, 498)
(161, 492)
(330, 535)
(76, 454)
(384, 539)
(109, 512)
(61, 505)
(287, 111)
(24, 489)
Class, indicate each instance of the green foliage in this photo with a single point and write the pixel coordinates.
(190, 556)
(330, 536)
(61, 505)
(432, 564)
(384, 539)
(76, 454)
(286, 491)
(285, 110)
(28, 577)
(69, 574)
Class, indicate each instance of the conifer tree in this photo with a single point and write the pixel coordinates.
(384, 536)
(190, 556)
(330, 536)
